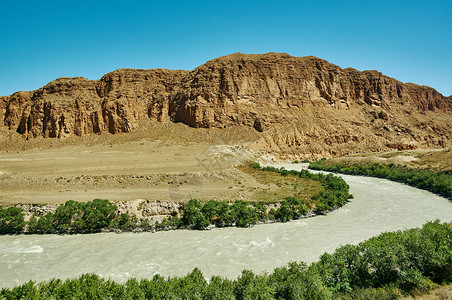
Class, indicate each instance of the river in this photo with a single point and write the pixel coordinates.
(379, 205)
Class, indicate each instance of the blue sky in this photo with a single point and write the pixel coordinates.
(43, 40)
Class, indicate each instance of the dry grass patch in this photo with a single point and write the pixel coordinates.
(430, 159)
(441, 293)
(280, 187)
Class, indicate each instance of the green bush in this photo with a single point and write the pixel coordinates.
(243, 214)
(224, 217)
(389, 266)
(284, 213)
(255, 165)
(126, 223)
(11, 220)
(201, 222)
(261, 210)
(436, 182)
(44, 224)
(97, 214)
(211, 210)
(219, 288)
(68, 216)
(74, 217)
(192, 212)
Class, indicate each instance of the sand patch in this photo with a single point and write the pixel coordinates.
(143, 169)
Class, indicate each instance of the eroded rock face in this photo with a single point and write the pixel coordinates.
(296, 104)
(129, 95)
(237, 88)
(79, 106)
(144, 208)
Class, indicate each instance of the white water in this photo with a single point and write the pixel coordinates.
(379, 205)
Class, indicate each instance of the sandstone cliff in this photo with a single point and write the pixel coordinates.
(79, 106)
(298, 105)
(241, 88)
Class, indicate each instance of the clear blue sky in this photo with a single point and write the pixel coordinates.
(43, 40)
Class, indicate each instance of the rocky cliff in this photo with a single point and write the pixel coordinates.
(297, 104)
(241, 88)
(79, 106)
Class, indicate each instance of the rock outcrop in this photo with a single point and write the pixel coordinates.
(144, 208)
(239, 88)
(79, 106)
(297, 104)
(138, 208)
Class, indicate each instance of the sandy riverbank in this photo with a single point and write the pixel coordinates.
(125, 169)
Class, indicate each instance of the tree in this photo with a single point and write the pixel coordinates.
(11, 220)
(123, 222)
(67, 216)
(191, 212)
(284, 213)
(250, 286)
(98, 214)
(201, 222)
(219, 288)
(261, 210)
(224, 217)
(32, 224)
(297, 207)
(210, 210)
(243, 215)
(45, 224)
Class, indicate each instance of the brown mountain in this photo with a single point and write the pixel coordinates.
(297, 105)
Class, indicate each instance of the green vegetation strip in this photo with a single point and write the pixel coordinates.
(389, 266)
(437, 182)
(100, 215)
(275, 187)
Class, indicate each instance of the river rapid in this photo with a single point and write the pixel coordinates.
(379, 205)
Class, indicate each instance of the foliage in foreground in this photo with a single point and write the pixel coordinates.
(436, 182)
(98, 215)
(388, 266)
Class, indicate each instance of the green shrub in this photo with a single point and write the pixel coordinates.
(210, 210)
(91, 216)
(261, 210)
(389, 266)
(224, 217)
(255, 165)
(191, 211)
(201, 222)
(97, 214)
(11, 220)
(436, 182)
(44, 224)
(243, 214)
(284, 213)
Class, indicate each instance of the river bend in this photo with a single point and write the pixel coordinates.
(379, 205)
